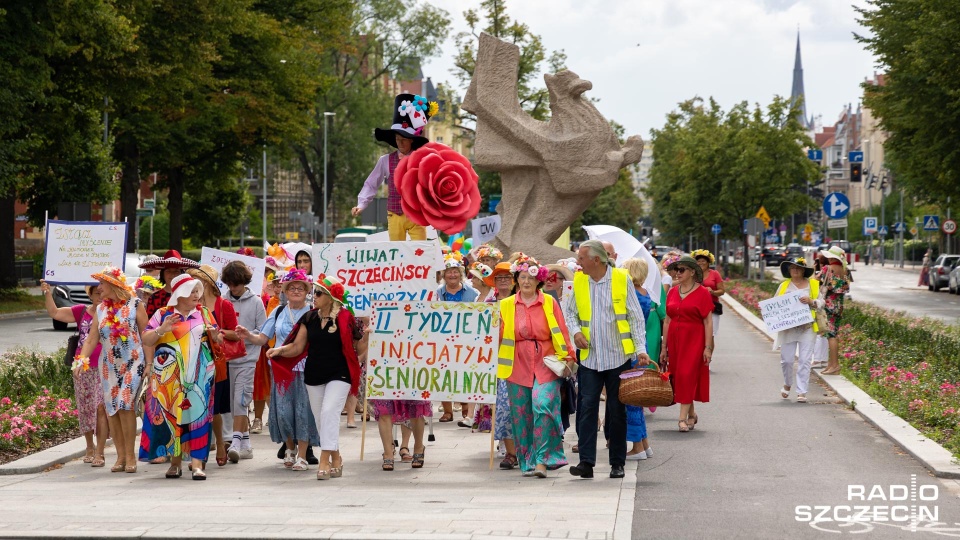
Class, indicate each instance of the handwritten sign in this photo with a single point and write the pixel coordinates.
(485, 229)
(786, 311)
(218, 259)
(381, 271)
(424, 351)
(76, 249)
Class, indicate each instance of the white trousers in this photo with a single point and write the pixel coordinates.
(716, 324)
(787, 352)
(821, 349)
(326, 402)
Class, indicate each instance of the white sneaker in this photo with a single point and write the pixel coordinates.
(649, 452)
(246, 453)
(257, 426)
(234, 454)
(640, 456)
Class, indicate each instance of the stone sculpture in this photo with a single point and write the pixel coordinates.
(551, 171)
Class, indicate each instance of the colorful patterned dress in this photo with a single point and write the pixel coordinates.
(121, 361)
(834, 289)
(180, 409)
(86, 383)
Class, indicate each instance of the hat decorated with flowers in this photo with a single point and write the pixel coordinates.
(524, 264)
(670, 258)
(480, 271)
(698, 253)
(294, 275)
(799, 262)
(276, 257)
(113, 276)
(248, 251)
(487, 250)
(452, 260)
(148, 284)
(411, 113)
(334, 287)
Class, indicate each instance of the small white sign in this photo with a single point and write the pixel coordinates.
(837, 223)
(218, 259)
(785, 311)
(485, 229)
(76, 249)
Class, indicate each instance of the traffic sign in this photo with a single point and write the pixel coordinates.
(149, 203)
(764, 216)
(931, 223)
(753, 226)
(899, 227)
(837, 223)
(855, 157)
(914, 230)
(836, 205)
(144, 212)
(882, 230)
(949, 226)
(815, 155)
(715, 229)
(869, 225)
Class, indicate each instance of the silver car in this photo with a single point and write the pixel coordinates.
(940, 271)
(71, 295)
(953, 281)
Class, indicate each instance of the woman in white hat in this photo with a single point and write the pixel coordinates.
(181, 406)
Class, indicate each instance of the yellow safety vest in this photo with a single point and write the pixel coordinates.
(508, 308)
(620, 287)
(814, 293)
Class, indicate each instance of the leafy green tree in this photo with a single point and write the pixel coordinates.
(915, 41)
(215, 211)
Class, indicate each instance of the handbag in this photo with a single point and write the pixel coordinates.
(73, 343)
(823, 322)
(646, 387)
(559, 367)
(718, 308)
(232, 349)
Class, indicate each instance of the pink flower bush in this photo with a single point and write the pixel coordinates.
(26, 427)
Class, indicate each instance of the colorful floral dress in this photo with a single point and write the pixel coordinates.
(181, 405)
(86, 382)
(121, 361)
(834, 289)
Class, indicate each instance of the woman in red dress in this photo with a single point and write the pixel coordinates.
(688, 333)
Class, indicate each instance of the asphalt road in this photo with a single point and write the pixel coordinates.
(754, 458)
(897, 289)
(32, 332)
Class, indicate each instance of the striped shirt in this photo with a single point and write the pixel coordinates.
(606, 349)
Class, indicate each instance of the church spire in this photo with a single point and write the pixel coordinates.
(797, 90)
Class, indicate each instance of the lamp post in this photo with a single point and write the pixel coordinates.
(325, 205)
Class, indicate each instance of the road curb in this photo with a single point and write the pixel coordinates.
(925, 450)
(21, 314)
(55, 455)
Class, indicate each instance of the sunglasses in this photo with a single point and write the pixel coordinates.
(553, 277)
(317, 291)
(682, 269)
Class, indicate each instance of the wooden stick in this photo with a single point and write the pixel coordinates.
(493, 431)
(363, 427)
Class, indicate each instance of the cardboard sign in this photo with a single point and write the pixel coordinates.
(434, 351)
(218, 259)
(76, 249)
(485, 229)
(381, 271)
(786, 311)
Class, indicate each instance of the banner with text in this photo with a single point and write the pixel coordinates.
(381, 271)
(426, 351)
(218, 259)
(76, 249)
(785, 311)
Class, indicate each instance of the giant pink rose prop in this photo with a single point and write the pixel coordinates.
(438, 187)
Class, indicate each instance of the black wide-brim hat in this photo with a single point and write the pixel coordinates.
(405, 107)
(795, 261)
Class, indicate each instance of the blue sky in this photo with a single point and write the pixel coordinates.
(645, 56)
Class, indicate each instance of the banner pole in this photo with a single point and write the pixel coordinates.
(493, 431)
(363, 426)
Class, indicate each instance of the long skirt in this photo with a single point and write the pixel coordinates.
(401, 410)
(537, 430)
(89, 394)
(290, 414)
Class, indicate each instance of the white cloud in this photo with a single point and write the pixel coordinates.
(732, 50)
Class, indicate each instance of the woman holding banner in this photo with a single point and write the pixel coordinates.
(533, 328)
(332, 371)
(118, 318)
(800, 338)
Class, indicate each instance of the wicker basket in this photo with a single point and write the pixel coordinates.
(645, 388)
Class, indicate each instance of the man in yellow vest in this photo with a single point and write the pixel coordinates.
(607, 325)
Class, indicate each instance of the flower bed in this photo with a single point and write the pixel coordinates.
(36, 403)
(909, 365)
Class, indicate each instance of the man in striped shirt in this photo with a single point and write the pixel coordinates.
(607, 325)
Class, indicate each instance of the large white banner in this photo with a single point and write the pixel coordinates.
(381, 271)
(485, 229)
(218, 259)
(434, 351)
(785, 311)
(76, 249)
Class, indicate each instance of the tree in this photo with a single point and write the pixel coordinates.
(717, 167)
(917, 104)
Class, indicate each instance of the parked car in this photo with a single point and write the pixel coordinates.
(71, 295)
(794, 250)
(940, 271)
(774, 254)
(953, 282)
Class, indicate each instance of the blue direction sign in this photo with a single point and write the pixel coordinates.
(931, 223)
(899, 227)
(715, 229)
(815, 155)
(855, 157)
(836, 205)
(882, 230)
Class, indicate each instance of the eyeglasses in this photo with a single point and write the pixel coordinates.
(503, 278)
(682, 269)
(296, 289)
(553, 277)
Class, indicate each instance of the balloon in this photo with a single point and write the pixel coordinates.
(457, 244)
(467, 245)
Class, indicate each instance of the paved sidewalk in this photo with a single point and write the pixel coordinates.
(454, 496)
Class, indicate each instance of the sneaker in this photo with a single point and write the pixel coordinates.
(234, 454)
(650, 452)
(257, 426)
(639, 456)
(246, 453)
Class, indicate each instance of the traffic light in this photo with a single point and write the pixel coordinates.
(871, 181)
(856, 172)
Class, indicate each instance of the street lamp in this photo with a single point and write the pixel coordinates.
(325, 205)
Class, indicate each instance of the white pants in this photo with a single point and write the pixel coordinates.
(787, 352)
(821, 349)
(326, 402)
(716, 324)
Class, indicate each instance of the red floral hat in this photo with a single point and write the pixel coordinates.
(334, 287)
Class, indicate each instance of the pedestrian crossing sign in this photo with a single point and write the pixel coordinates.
(931, 223)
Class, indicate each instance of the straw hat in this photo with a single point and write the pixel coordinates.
(208, 275)
(113, 276)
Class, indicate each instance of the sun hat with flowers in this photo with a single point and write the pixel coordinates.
(294, 275)
(248, 251)
(524, 264)
(113, 276)
(148, 284)
(487, 250)
(334, 287)
(452, 260)
(697, 253)
(670, 258)
(480, 271)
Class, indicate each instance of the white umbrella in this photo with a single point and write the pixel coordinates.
(627, 246)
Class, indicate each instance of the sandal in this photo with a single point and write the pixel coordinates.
(323, 475)
(447, 417)
(199, 475)
(130, 468)
(387, 463)
(221, 461)
(289, 458)
(694, 424)
(98, 461)
(300, 465)
(465, 423)
(785, 392)
(683, 426)
(88, 457)
(405, 455)
(575, 449)
(337, 472)
(174, 472)
(509, 462)
(118, 466)
(158, 460)
(801, 398)
(417, 462)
